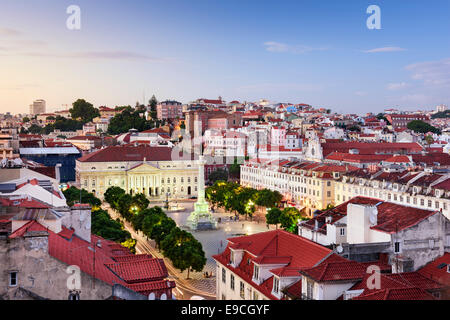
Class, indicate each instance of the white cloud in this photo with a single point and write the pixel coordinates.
(9, 32)
(360, 93)
(99, 55)
(305, 87)
(431, 73)
(273, 46)
(397, 86)
(385, 49)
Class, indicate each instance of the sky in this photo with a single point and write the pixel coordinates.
(301, 51)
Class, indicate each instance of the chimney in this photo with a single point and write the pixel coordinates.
(58, 172)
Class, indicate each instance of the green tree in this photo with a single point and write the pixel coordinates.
(140, 201)
(105, 227)
(157, 226)
(124, 205)
(35, 129)
(153, 103)
(129, 119)
(273, 216)
(112, 196)
(422, 127)
(81, 109)
(25, 120)
(218, 175)
(184, 251)
(268, 198)
(235, 169)
(72, 196)
(289, 218)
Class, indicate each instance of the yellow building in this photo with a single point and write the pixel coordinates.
(157, 172)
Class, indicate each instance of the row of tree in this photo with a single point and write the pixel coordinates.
(241, 200)
(185, 252)
(101, 223)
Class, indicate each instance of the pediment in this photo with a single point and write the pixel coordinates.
(143, 168)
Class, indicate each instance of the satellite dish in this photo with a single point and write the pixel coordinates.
(373, 217)
(339, 249)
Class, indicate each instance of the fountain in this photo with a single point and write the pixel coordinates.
(201, 218)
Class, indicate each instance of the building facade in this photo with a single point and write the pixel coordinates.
(157, 172)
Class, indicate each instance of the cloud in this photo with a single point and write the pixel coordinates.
(431, 73)
(99, 55)
(273, 46)
(305, 87)
(9, 32)
(361, 93)
(385, 49)
(397, 86)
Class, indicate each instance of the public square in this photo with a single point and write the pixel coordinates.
(213, 241)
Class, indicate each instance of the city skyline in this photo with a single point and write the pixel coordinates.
(299, 52)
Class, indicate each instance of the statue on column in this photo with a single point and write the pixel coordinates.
(201, 218)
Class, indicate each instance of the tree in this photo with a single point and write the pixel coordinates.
(273, 216)
(157, 226)
(289, 218)
(184, 251)
(124, 205)
(140, 201)
(235, 169)
(81, 109)
(429, 140)
(72, 195)
(25, 120)
(422, 127)
(105, 227)
(218, 175)
(35, 129)
(153, 103)
(112, 196)
(268, 198)
(129, 119)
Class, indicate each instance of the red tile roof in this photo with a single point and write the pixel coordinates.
(140, 270)
(278, 243)
(103, 263)
(391, 217)
(129, 153)
(397, 294)
(437, 270)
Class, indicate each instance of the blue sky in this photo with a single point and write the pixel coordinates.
(316, 52)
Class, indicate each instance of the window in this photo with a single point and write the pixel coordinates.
(397, 247)
(276, 284)
(255, 295)
(309, 290)
(232, 282)
(13, 279)
(255, 272)
(224, 275)
(242, 290)
(342, 231)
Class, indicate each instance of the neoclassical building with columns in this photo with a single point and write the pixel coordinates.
(157, 172)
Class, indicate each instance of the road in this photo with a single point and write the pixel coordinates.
(143, 246)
